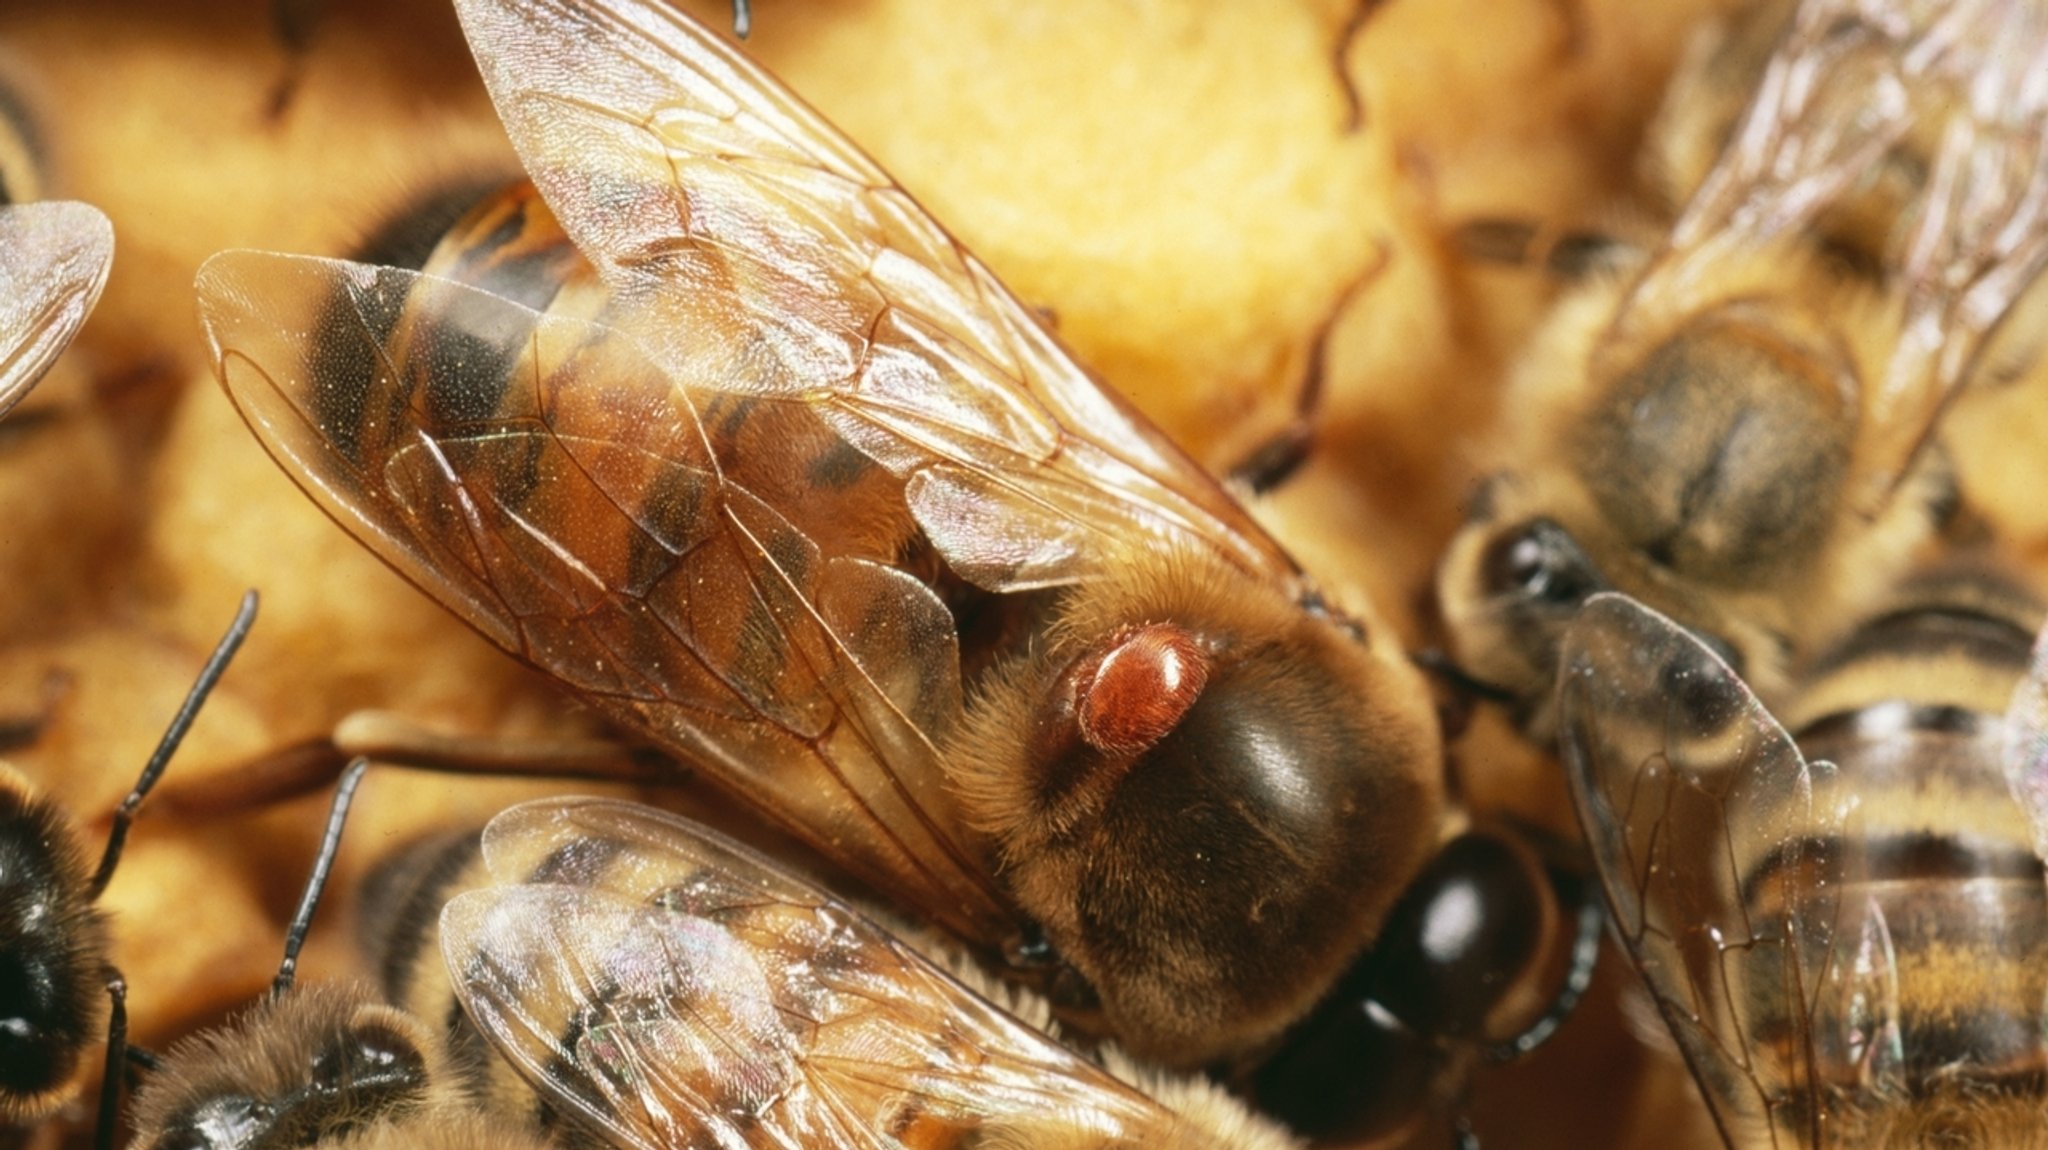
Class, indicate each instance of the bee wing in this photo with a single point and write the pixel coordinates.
(2026, 750)
(54, 258)
(1709, 830)
(1981, 239)
(673, 988)
(1843, 86)
(545, 481)
(745, 239)
(1850, 81)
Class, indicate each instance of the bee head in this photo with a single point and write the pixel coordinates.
(313, 1065)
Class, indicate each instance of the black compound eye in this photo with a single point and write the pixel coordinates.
(1364, 1064)
(369, 1057)
(1540, 561)
(1468, 925)
(225, 1122)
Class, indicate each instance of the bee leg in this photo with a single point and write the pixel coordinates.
(1438, 664)
(394, 741)
(286, 772)
(1274, 461)
(1568, 254)
(742, 18)
(216, 665)
(117, 1057)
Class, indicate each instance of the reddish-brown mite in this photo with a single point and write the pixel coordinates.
(1145, 680)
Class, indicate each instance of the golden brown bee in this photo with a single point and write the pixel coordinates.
(717, 427)
(1843, 919)
(659, 984)
(56, 969)
(314, 1065)
(1732, 423)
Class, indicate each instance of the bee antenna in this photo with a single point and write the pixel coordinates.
(330, 845)
(117, 1056)
(216, 664)
(1438, 662)
(742, 18)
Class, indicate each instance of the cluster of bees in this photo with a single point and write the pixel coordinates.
(1161, 836)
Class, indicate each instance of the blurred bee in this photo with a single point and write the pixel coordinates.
(57, 978)
(661, 985)
(54, 259)
(720, 429)
(53, 262)
(1733, 422)
(316, 1065)
(1844, 925)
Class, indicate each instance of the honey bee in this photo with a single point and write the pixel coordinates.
(333, 1066)
(659, 984)
(325, 1065)
(55, 965)
(1842, 919)
(1733, 423)
(716, 426)
(54, 258)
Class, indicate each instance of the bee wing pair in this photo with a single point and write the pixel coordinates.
(580, 514)
(54, 258)
(708, 998)
(712, 200)
(1712, 833)
(1849, 82)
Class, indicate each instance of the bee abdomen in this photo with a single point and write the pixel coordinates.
(401, 906)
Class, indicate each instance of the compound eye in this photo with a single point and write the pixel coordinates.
(1465, 934)
(224, 1122)
(1542, 562)
(370, 1058)
(1468, 927)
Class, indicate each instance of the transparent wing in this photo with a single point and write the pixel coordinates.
(1712, 836)
(1981, 239)
(747, 241)
(544, 480)
(54, 259)
(2026, 750)
(673, 988)
(1851, 81)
